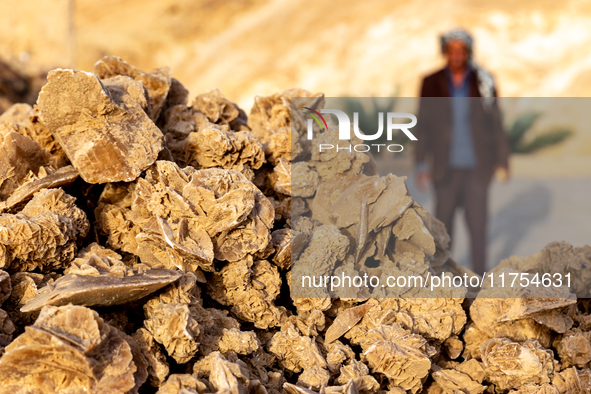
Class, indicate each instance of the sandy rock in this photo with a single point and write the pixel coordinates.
(294, 351)
(157, 82)
(55, 356)
(572, 380)
(43, 234)
(215, 146)
(451, 381)
(345, 321)
(509, 365)
(519, 315)
(556, 257)
(102, 126)
(19, 156)
(453, 347)
(574, 348)
(6, 330)
(239, 342)
(224, 375)
(99, 277)
(5, 286)
(304, 180)
(545, 388)
(401, 356)
(273, 112)
(182, 384)
(157, 367)
(359, 373)
(174, 326)
(219, 110)
(46, 178)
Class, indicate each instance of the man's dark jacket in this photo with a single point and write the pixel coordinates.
(434, 129)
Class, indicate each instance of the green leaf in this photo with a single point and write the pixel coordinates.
(550, 138)
(519, 128)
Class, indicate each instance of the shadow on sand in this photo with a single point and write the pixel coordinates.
(511, 224)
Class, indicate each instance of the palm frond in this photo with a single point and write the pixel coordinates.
(547, 139)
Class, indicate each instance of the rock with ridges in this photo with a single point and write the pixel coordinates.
(102, 126)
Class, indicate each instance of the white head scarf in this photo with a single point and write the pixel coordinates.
(486, 82)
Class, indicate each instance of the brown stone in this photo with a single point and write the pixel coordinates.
(102, 126)
(157, 82)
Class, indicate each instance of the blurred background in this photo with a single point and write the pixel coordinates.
(377, 48)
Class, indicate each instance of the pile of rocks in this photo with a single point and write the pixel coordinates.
(149, 244)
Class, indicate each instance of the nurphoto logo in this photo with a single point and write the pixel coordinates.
(345, 129)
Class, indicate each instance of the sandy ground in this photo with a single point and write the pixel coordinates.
(525, 215)
(249, 47)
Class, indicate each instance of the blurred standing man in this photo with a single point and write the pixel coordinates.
(461, 141)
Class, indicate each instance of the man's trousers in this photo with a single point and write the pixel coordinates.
(464, 188)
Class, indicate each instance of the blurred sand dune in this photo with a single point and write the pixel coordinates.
(535, 48)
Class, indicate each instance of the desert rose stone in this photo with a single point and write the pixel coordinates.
(102, 126)
(157, 82)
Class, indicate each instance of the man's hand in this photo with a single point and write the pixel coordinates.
(423, 181)
(502, 174)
